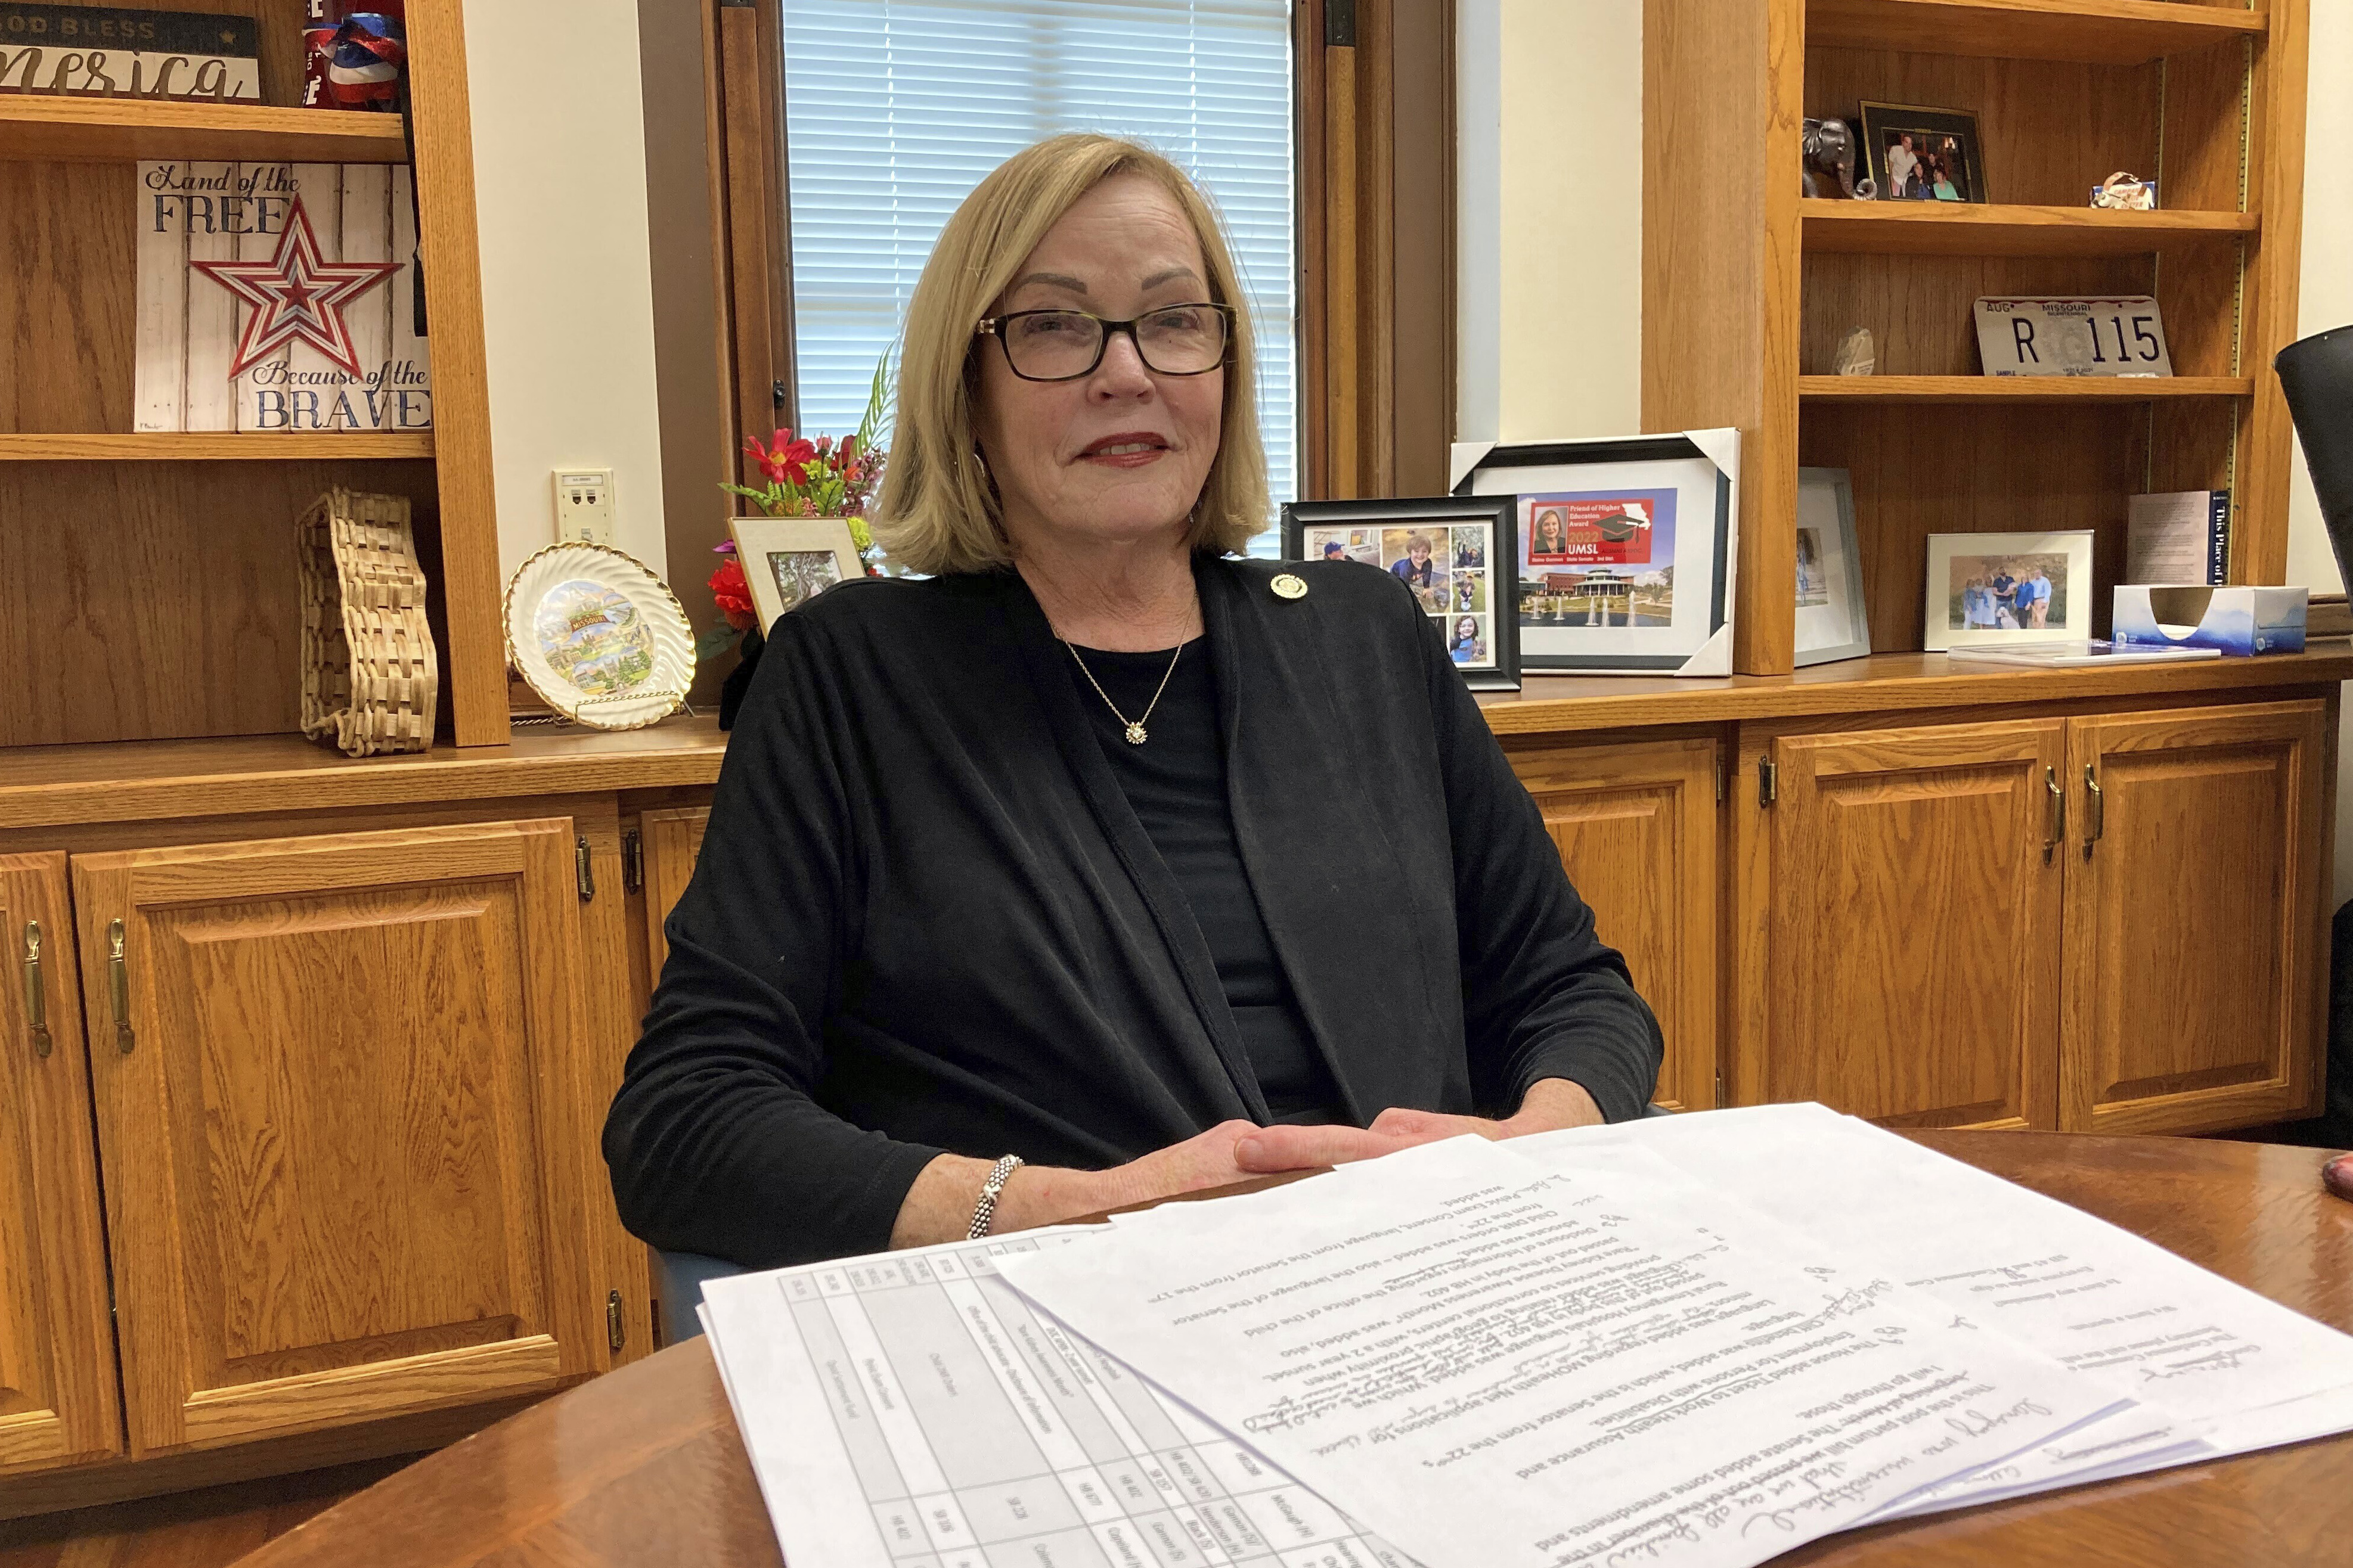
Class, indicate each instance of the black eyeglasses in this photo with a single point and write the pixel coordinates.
(1063, 345)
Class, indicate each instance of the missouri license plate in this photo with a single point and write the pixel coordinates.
(2072, 335)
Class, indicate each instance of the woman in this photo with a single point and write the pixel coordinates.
(1552, 541)
(1076, 853)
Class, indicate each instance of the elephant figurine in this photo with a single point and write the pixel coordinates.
(1829, 149)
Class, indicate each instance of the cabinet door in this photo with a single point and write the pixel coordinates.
(56, 1351)
(342, 1110)
(1910, 972)
(2195, 953)
(671, 841)
(1637, 827)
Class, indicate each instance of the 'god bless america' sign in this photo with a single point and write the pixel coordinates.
(277, 297)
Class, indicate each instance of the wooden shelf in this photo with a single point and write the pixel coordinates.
(137, 781)
(212, 445)
(125, 129)
(2018, 388)
(1953, 228)
(1881, 683)
(132, 780)
(2102, 31)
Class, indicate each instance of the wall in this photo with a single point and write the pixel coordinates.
(560, 180)
(2325, 299)
(1549, 247)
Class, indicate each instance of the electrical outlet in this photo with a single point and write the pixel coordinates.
(583, 506)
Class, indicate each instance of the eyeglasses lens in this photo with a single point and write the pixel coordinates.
(1054, 345)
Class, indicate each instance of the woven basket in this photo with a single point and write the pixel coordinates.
(369, 673)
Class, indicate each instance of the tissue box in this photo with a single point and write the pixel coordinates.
(2238, 620)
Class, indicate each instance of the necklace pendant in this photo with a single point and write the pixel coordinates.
(1135, 736)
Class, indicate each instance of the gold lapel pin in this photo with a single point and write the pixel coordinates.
(1288, 586)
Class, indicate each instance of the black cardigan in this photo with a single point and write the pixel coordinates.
(926, 921)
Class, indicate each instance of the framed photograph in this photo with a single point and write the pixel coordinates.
(1994, 588)
(1623, 550)
(1453, 551)
(1831, 622)
(789, 560)
(1923, 154)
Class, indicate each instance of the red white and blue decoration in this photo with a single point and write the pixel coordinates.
(297, 297)
(355, 50)
(278, 298)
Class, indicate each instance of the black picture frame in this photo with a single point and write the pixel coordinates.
(1494, 515)
(1881, 121)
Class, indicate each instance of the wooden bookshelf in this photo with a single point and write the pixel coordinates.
(2095, 32)
(1950, 228)
(2019, 388)
(208, 445)
(124, 130)
(1748, 293)
(113, 526)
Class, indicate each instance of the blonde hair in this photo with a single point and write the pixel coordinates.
(937, 511)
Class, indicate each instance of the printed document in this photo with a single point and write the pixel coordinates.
(910, 1411)
(2223, 1368)
(1495, 1366)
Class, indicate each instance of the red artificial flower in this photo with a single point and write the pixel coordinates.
(784, 459)
(733, 594)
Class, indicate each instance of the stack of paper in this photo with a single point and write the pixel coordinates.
(1697, 1339)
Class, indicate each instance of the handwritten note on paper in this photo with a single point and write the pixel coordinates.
(1489, 1366)
(2229, 1367)
(910, 1411)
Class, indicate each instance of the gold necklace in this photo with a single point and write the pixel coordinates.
(1134, 731)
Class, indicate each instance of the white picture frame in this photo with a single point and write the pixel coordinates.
(1967, 603)
(789, 560)
(1833, 622)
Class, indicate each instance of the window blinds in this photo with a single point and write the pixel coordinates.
(897, 107)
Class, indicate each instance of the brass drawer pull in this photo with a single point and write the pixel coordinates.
(37, 1004)
(118, 986)
(2099, 810)
(2056, 833)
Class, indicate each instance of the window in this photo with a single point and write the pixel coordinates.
(896, 108)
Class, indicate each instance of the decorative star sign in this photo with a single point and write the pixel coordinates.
(297, 297)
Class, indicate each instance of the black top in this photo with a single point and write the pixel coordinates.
(1176, 784)
(927, 919)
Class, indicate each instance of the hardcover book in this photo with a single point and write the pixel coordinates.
(89, 51)
(2181, 536)
(278, 298)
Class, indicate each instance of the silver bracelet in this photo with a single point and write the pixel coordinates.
(984, 1212)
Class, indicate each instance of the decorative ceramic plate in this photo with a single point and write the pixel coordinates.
(601, 638)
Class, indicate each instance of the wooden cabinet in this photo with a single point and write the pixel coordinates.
(2106, 922)
(1900, 923)
(1636, 827)
(669, 842)
(2195, 920)
(348, 1148)
(57, 1404)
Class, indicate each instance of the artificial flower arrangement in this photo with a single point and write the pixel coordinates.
(805, 477)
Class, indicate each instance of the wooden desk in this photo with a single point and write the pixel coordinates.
(644, 1466)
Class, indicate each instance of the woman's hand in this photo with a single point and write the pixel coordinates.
(1234, 1152)
(939, 1206)
(1550, 1104)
